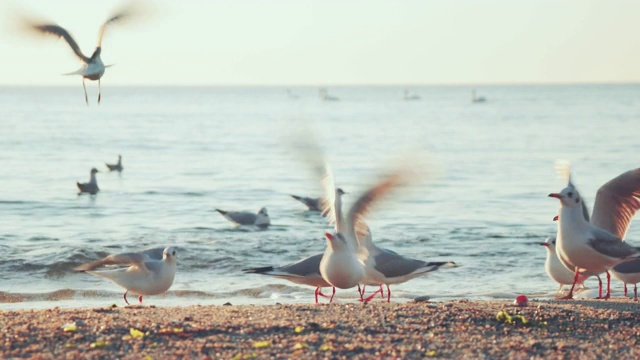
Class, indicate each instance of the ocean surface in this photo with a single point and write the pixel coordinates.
(481, 203)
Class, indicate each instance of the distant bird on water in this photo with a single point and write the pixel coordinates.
(93, 68)
(90, 187)
(261, 219)
(116, 167)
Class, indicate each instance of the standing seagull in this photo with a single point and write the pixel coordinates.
(116, 167)
(93, 68)
(554, 268)
(90, 187)
(304, 272)
(145, 274)
(584, 245)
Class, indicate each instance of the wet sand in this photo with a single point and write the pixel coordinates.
(457, 329)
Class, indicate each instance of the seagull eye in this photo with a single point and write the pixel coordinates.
(173, 253)
(570, 194)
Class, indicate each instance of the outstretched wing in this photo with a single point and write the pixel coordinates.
(59, 31)
(119, 259)
(116, 17)
(617, 202)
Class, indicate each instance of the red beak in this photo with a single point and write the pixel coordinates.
(555, 195)
(555, 218)
(329, 236)
(544, 244)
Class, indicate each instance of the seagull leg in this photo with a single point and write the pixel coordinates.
(599, 287)
(373, 295)
(332, 295)
(381, 292)
(125, 297)
(570, 295)
(388, 294)
(99, 91)
(625, 289)
(140, 300)
(86, 98)
(316, 293)
(608, 295)
(635, 292)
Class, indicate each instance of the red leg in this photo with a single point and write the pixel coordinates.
(625, 289)
(570, 295)
(332, 295)
(373, 295)
(99, 91)
(316, 293)
(125, 297)
(608, 295)
(140, 300)
(635, 292)
(388, 294)
(599, 287)
(381, 292)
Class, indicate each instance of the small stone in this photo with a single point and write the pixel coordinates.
(422, 298)
(226, 304)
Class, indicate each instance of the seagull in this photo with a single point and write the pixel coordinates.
(261, 219)
(586, 246)
(90, 187)
(555, 269)
(629, 273)
(304, 272)
(146, 274)
(92, 67)
(315, 204)
(116, 167)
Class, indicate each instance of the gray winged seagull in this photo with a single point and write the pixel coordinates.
(303, 272)
(586, 245)
(146, 272)
(260, 219)
(555, 269)
(117, 166)
(90, 187)
(92, 67)
(314, 204)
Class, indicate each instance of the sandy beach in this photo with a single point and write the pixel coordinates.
(456, 329)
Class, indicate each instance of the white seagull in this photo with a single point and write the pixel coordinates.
(587, 247)
(116, 167)
(261, 219)
(92, 67)
(555, 269)
(146, 274)
(304, 272)
(90, 187)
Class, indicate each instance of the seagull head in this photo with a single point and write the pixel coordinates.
(569, 196)
(336, 241)
(170, 254)
(550, 244)
(340, 192)
(94, 171)
(263, 212)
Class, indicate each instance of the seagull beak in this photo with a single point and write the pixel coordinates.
(555, 218)
(329, 236)
(555, 195)
(544, 244)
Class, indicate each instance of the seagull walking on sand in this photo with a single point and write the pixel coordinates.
(146, 273)
(304, 272)
(261, 219)
(590, 247)
(90, 187)
(116, 167)
(92, 67)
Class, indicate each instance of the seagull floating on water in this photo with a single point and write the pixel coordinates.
(261, 219)
(92, 67)
(90, 187)
(116, 167)
(148, 272)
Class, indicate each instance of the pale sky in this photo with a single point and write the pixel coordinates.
(333, 42)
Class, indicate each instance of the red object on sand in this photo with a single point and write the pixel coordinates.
(521, 301)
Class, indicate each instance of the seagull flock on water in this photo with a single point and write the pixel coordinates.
(585, 245)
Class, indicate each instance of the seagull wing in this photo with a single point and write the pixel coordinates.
(59, 31)
(136, 259)
(610, 245)
(118, 16)
(616, 203)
